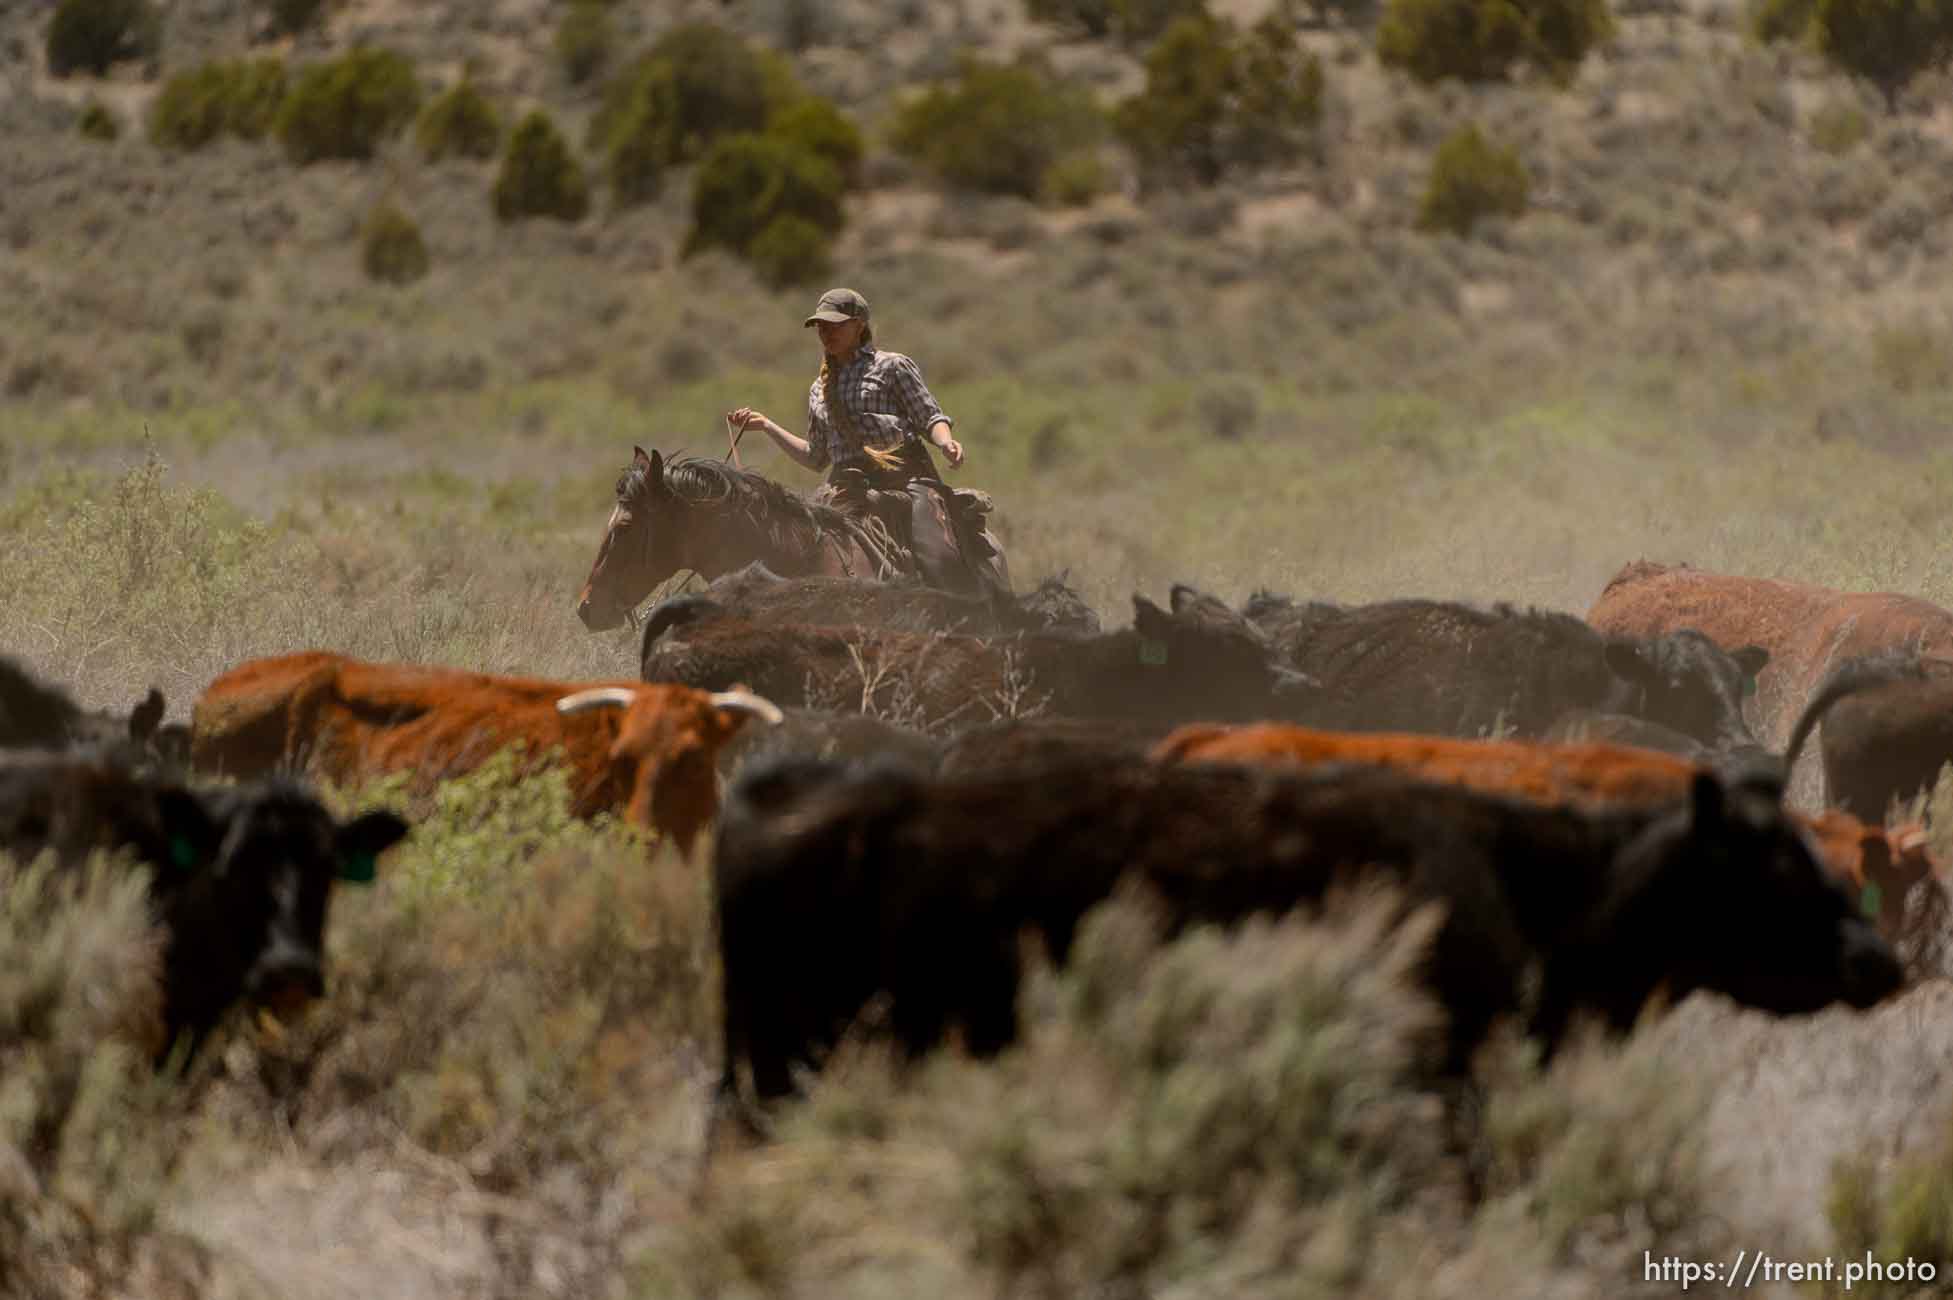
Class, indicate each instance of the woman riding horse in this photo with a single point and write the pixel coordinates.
(868, 414)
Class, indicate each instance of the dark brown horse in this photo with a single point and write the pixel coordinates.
(711, 518)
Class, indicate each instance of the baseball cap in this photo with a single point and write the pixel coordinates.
(837, 305)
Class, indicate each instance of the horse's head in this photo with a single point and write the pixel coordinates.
(636, 553)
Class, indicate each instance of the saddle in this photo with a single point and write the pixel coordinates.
(940, 529)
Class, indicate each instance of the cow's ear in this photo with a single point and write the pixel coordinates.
(1149, 619)
(358, 844)
(1708, 800)
(191, 834)
(146, 717)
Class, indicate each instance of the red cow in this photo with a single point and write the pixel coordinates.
(647, 751)
(1807, 630)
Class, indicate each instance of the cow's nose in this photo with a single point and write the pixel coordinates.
(286, 979)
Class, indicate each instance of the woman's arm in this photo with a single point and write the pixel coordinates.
(797, 448)
(921, 410)
(939, 434)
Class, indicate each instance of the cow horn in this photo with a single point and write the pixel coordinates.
(747, 702)
(596, 697)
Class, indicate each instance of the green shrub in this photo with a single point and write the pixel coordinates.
(1328, 13)
(704, 82)
(1887, 42)
(539, 176)
(98, 122)
(1837, 126)
(459, 123)
(1279, 98)
(1782, 20)
(997, 128)
(346, 107)
(1481, 40)
(635, 161)
(583, 40)
(1472, 178)
(816, 126)
(1074, 180)
(1132, 21)
(93, 35)
(86, 1123)
(290, 17)
(1216, 98)
(748, 182)
(1092, 17)
(1139, 21)
(240, 98)
(790, 251)
(557, 953)
(1909, 1216)
(390, 247)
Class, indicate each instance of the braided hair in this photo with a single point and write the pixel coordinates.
(837, 411)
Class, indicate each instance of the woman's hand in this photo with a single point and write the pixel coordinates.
(746, 417)
(952, 449)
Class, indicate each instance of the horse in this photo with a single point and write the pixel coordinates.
(710, 518)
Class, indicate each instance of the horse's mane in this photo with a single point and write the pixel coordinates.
(715, 485)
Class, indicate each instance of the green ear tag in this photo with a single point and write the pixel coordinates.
(183, 854)
(358, 869)
(1749, 686)
(1872, 901)
(1152, 653)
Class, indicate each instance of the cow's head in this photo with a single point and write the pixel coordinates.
(1210, 662)
(1880, 865)
(1724, 892)
(636, 553)
(246, 893)
(667, 748)
(1687, 682)
(1055, 606)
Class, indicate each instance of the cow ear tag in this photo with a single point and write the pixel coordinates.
(358, 868)
(1749, 685)
(183, 854)
(1152, 653)
(1872, 901)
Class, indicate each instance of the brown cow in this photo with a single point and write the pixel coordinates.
(1807, 630)
(645, 750)
(1881, 865)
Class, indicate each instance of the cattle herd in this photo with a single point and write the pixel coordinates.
(903, 786)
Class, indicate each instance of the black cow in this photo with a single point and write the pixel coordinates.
(1458, 670)
(817, 733)
(1040, 742)
(758, 593)
(242, 876)
(1166, 669)
(36, 715)
(838, 884)
(1010, 742)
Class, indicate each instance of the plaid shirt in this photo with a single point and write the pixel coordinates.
(886, 404)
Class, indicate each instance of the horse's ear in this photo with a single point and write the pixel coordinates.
(653, 466)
